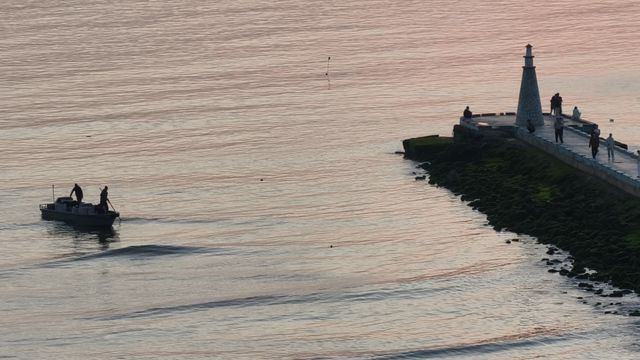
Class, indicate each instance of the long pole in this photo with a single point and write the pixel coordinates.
(113, 207)
(109, 202)
(53, 192)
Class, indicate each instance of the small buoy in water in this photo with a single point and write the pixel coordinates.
(261, 179)
(421, 177)
(330, 246)
(508, 241)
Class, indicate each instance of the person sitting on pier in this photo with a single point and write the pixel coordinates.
(610, 147)
(576, 113)
(530, 126)
(467, 113)
(594, 143)
(78, 190)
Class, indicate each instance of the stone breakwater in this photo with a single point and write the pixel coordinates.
(527, 191)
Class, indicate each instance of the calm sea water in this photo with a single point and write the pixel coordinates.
(264, 212)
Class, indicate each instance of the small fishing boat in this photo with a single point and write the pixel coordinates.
(78, 214)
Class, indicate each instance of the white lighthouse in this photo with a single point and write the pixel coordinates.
(529, 106)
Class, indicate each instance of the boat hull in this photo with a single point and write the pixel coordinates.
(80, 220)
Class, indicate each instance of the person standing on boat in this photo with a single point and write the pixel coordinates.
(104, 197)
(78, 190)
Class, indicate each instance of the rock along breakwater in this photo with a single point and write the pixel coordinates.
(525, 190)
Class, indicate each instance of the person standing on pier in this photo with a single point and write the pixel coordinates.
(610, 146)
(558, 125)
(559, 105)
(594, 143)
(556, 105)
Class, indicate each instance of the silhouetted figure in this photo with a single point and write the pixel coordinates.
(610, 147)
(559, 128)
(104, 197)
(467, 113)
(559, 105)
(594, 143)
(530, 126)
(78, 190)
(576, 113)
(556, 105)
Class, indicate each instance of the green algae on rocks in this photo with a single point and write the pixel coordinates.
(525, 190)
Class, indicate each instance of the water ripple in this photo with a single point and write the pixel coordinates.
(531, 339)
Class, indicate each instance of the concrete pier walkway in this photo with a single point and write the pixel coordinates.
(577, 141)
(622, 172)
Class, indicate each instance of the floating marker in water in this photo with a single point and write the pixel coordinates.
(328, 59)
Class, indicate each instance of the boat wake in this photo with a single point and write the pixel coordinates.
(527, 339)
(144, 251)
(146, 220)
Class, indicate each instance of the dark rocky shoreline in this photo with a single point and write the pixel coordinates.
(524, 190)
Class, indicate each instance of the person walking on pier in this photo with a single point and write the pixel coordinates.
(594, 143)
(610, 146)
(559, 128)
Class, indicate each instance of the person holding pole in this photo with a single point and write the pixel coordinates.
(104, 197)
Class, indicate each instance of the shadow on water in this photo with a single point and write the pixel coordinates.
(81, 235)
